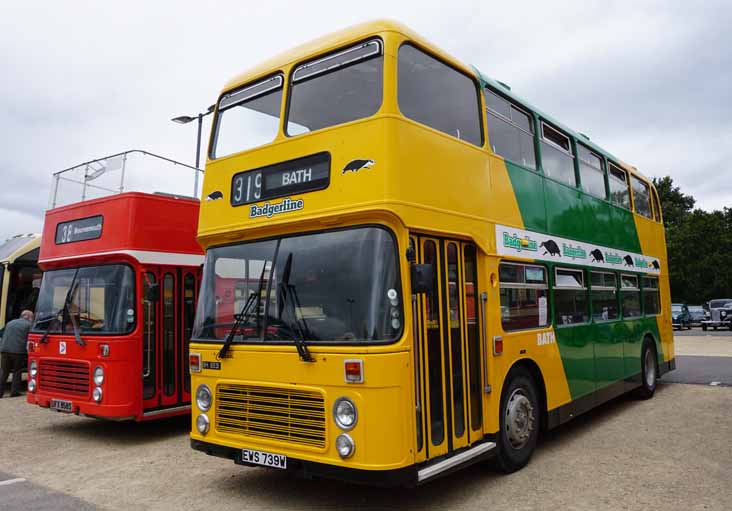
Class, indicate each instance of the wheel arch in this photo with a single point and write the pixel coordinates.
(534, 370)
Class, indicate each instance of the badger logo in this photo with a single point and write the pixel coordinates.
(628, 260)
(214, 196)
(656, 265)
(357, 165)
(597, 256)
(550, 247)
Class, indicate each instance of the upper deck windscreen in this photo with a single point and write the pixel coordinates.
(338, 88)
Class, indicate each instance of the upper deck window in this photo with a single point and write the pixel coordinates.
(338, 88)
(591, 173)
(248, 117)
(556, 155)
(641, 197)
(618, 181)
(510, 131)
(438, 96)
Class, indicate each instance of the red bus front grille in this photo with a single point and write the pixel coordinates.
(67, 376)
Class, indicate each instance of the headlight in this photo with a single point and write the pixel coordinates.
(31, 385)
(202, 424)
(203, 398)
(33, 369)
(344, 446)
(723, 313)
(97, 394)
(99, 375)
(345, 414)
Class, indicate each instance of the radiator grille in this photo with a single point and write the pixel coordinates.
(716, 316)
(290, 415)
(67, 376)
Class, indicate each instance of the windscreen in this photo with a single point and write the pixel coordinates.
(101, 300)
(338, 88)
(337, 287)
(716, 304)
(676, 308)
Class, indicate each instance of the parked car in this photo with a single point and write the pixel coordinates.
(720, 314)
(698, 314)
(680, 317)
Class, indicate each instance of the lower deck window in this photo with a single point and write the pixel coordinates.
(630, 296)
(651, 298)
(570, 297)
(524, 302)
(604, 296)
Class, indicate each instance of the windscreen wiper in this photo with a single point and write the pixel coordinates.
(250, 305)
(65, 308)
(288, 290)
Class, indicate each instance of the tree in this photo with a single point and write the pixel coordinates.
(675, 205)
(699, 245)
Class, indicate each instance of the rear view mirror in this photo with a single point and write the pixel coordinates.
(422, 278)
(152, 292)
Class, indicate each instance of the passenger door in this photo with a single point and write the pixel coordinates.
(448, 349)
(167, 319)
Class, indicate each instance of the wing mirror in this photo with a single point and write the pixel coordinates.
(422, 278)
(152, 292)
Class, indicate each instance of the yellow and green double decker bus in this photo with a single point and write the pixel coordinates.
(410, 269)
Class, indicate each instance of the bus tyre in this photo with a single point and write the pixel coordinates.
(519, 425)
(649, 371)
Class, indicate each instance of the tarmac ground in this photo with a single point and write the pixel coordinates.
(671, 452)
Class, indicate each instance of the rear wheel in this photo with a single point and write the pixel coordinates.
(519, 422)
(649, 371)
(704, 327)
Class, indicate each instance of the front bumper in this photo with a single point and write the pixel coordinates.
(406, 476)
(717, 323)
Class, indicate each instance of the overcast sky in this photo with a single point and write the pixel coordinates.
(649, 81)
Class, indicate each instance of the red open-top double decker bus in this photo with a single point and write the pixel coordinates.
(117, 303)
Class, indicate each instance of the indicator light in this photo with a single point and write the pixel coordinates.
(497, 345)
(354, 371)
(194, 361)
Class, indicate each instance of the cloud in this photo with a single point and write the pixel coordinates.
(649, 81)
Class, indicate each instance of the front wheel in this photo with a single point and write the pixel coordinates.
(704, 327)
(649, 371)
(519, 422)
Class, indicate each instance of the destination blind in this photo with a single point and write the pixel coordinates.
(82, 229)
(286, 178)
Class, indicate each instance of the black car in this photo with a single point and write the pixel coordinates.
(720, 314)
(697, 314)
(680, 317)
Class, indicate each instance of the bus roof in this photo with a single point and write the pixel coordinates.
(18, 246)
(333, 41)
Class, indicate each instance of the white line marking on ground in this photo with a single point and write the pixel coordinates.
(12, 481)
(715, 383)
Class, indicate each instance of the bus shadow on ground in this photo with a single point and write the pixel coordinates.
(129, 433)
(274, 489)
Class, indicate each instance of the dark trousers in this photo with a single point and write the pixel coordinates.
(12, 363)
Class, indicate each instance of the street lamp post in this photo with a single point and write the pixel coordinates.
(185, 119)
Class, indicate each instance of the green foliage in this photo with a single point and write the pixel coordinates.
(699, 245)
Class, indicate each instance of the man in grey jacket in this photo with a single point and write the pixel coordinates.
(14, 351)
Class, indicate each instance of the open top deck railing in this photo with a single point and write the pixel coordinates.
(129, 171)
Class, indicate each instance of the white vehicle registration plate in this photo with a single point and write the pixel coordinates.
(263, 458)
(61, 405)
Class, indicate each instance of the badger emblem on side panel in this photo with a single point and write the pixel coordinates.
(214, 196)
(628, 260)
(357, 165)
(550, 247)
(597, 256)
(655, 264)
